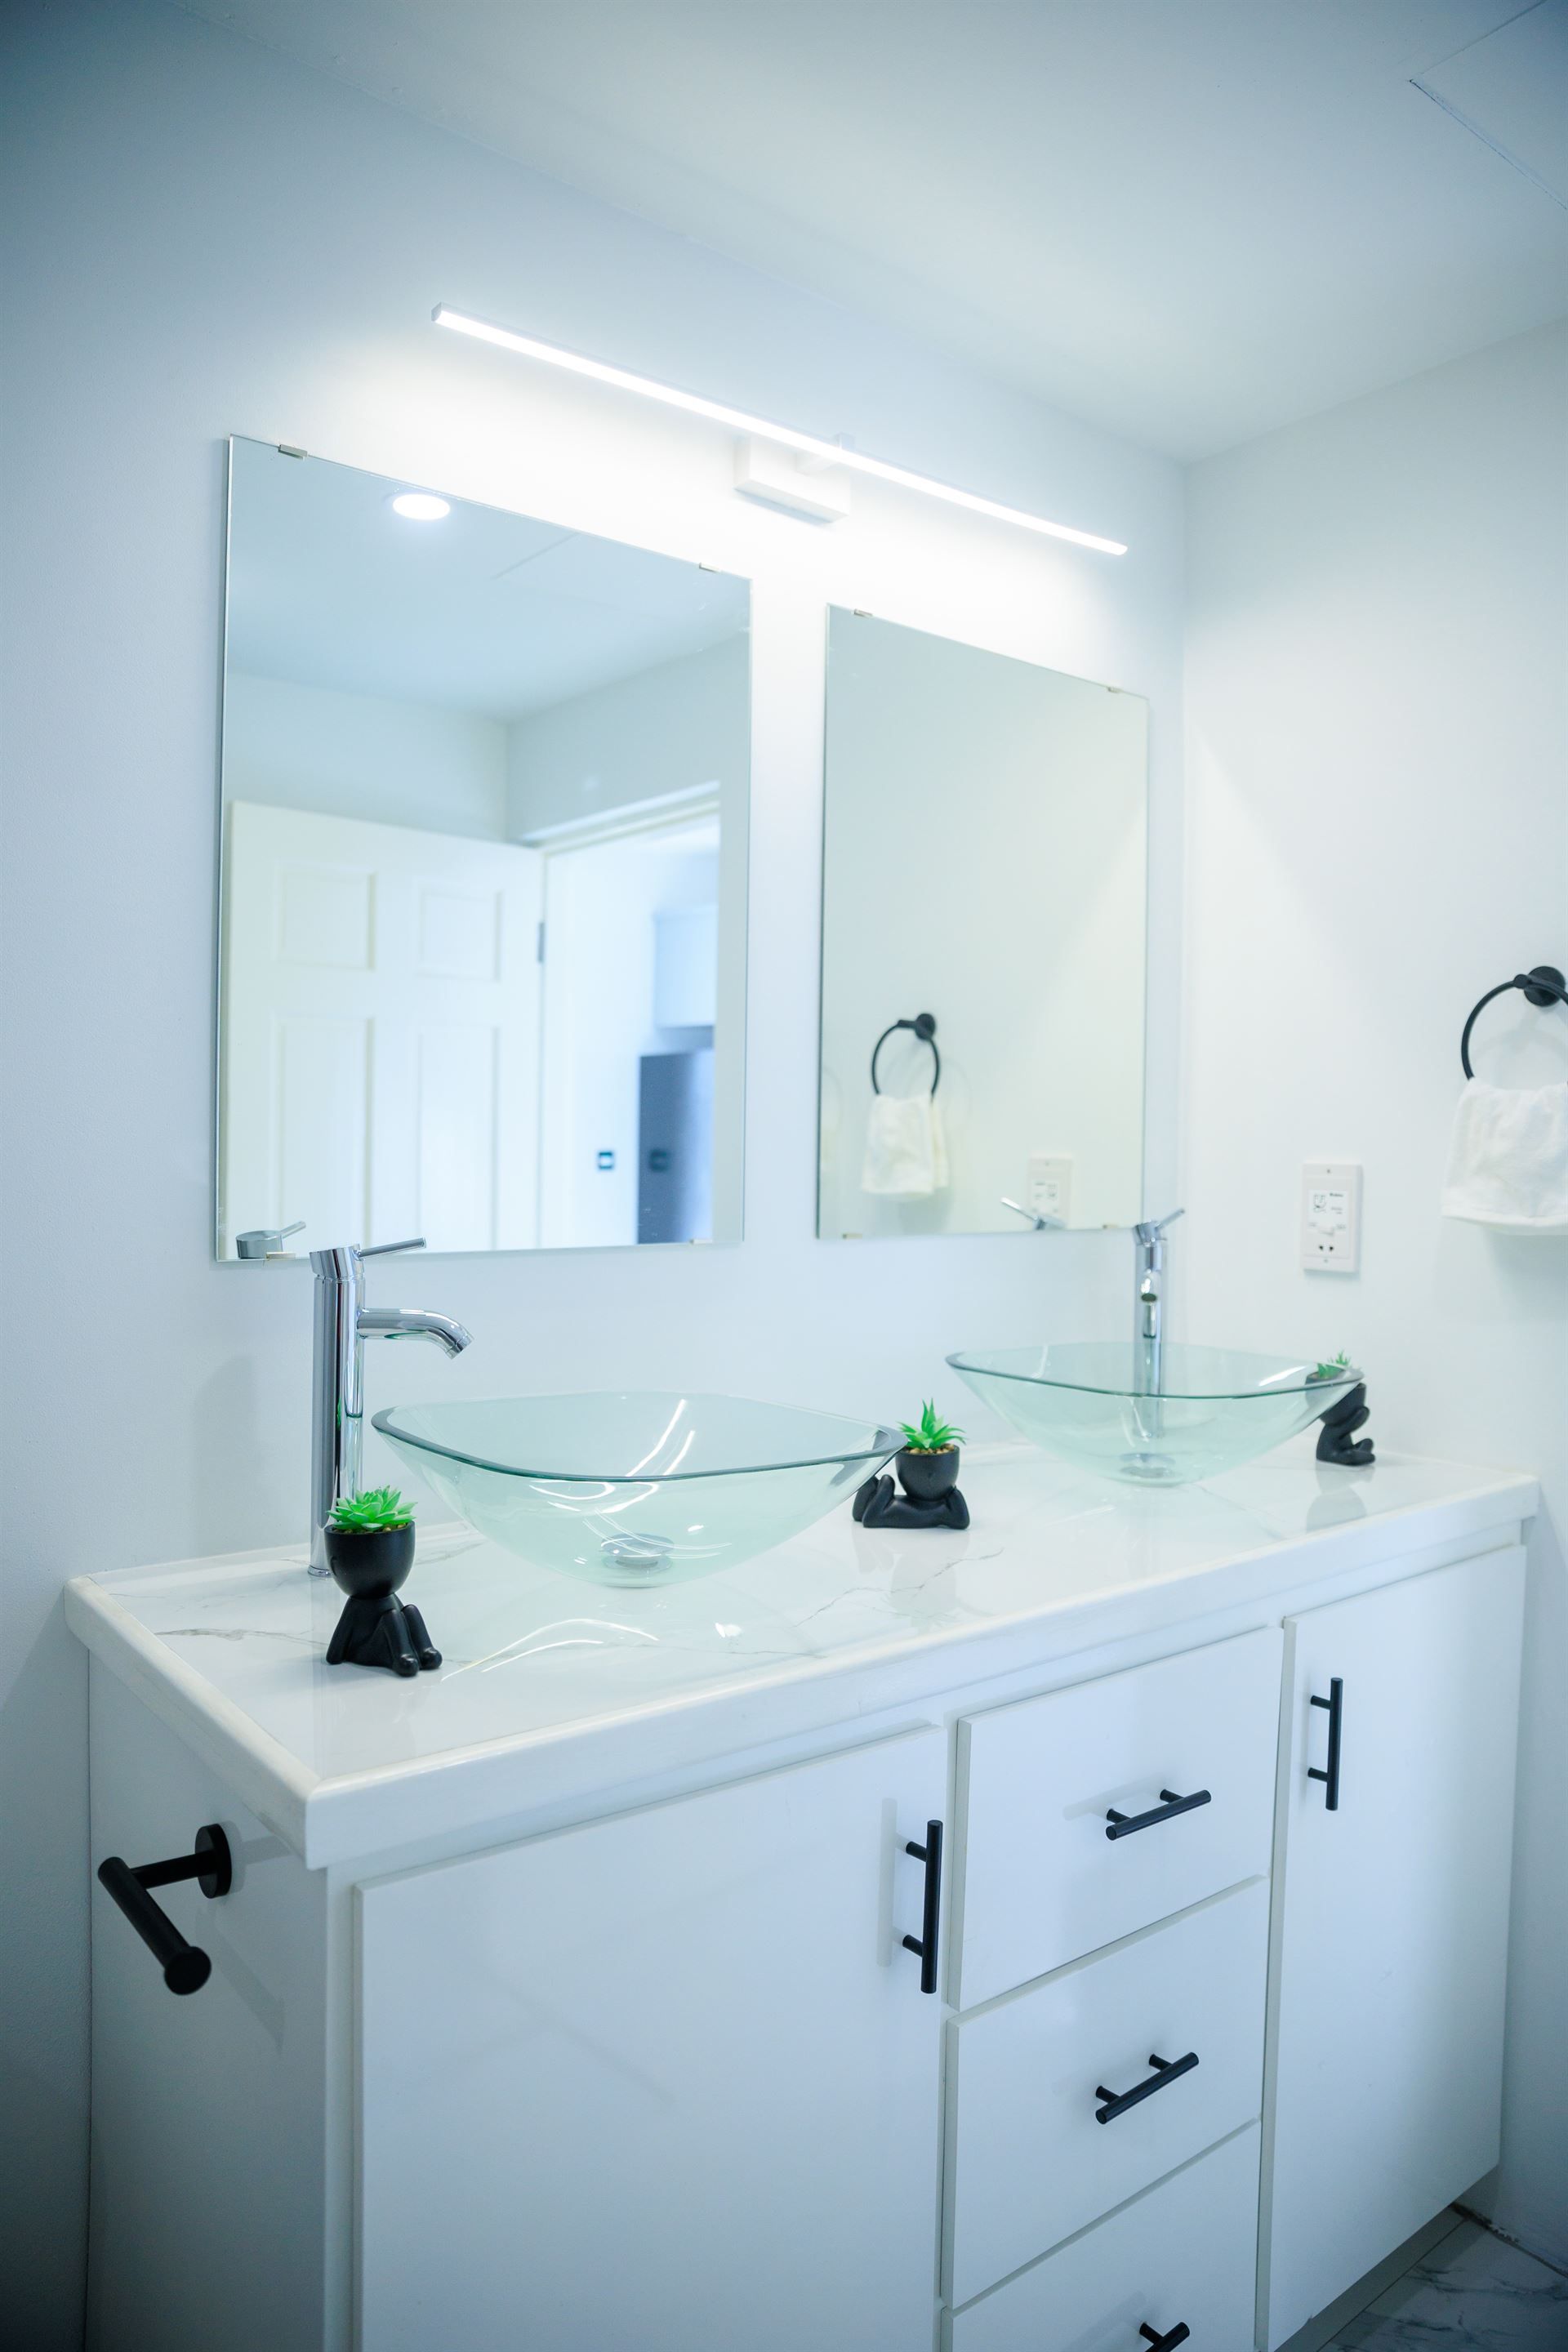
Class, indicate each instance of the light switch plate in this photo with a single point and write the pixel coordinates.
(1330, 1216)
(1048, 1190)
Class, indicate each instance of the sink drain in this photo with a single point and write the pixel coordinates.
(641, 1552)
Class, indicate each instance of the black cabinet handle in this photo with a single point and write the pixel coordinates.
(924, 1945)
(186, 1969)
(1123, 1824)
(1335, 1704)
(1158, 2342)
(1118, 2102)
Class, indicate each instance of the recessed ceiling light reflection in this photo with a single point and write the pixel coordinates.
(420, 505)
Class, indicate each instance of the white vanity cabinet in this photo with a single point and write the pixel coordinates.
(563, 1999)
(1392, 1922)
(664, 2081)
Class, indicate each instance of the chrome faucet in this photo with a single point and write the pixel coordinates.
(1148, 1305)
(343, 1323)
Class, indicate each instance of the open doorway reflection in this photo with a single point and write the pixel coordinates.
(629, 950)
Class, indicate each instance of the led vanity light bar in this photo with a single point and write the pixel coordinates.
(807, 444)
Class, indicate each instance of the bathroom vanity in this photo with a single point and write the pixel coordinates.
(1085, 1930)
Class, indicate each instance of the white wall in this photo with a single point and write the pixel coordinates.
(1378, 707)
(201, 239)
(309, 747)
(662, 730)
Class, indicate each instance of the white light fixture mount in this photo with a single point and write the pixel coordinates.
(800, 485)
(831, 455)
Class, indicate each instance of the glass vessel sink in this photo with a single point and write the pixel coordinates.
(639, 1487)
(1159, 1420)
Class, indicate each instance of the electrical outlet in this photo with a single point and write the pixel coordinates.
(1048, 1188)
(1330, 1216)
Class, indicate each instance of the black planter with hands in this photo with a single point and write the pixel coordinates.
(928, 1467)
(370, 1550)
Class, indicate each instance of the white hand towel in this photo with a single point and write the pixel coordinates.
(1508, 1163)
(906, 1149)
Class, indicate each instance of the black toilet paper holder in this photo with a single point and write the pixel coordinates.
(210, 1863)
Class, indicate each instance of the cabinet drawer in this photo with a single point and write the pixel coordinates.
(1030, 2162)
(1042, 1884)
(1184, 2254)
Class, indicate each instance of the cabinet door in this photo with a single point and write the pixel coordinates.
(664, 2080)
(1385, 2064)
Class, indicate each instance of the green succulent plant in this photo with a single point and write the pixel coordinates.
(1334, 1369)
(929, 1435)
(379, 1510)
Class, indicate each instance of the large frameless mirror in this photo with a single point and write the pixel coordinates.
(483, 900)
(984, 924)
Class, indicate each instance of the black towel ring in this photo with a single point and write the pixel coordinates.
(1542, 984)
(924, 1027)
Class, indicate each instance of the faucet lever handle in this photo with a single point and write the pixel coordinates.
(1036, 1217)
(1149, 1229)
(386, 1249)
(263, 1239)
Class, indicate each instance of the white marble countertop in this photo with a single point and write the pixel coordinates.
(551, 1686)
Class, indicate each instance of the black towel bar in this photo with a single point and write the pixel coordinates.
(1542, 984)
(924, 1027)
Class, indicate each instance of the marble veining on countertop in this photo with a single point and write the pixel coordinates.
(530, 1655)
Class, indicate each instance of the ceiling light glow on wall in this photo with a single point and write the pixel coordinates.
(420, 505)
(805, 444)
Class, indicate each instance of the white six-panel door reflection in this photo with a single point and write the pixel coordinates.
(380, 1067)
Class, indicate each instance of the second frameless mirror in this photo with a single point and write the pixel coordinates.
(484, 788)
(982, 960)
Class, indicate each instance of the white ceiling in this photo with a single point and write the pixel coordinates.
(483, 611)
(1188, 221)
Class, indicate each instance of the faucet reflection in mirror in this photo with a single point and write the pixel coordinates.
(485, 786)
(343, 1325)
(985, 852)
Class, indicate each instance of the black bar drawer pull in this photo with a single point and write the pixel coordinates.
(1118, 2102)
(1158, 2342)
(924, 1945)
(186, 1969)
(1170, 1805)
(1335, 1704)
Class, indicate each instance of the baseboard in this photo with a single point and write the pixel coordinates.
(1555, 2262)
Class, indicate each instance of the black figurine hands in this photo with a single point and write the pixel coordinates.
(880, 1505)
(385, 1631)
(1340, 1424)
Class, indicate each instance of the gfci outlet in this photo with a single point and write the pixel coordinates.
(1330, 1216)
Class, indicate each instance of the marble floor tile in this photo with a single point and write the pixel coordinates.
(1471, 2294)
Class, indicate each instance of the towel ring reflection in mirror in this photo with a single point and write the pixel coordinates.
(924, 1027)
(1542, 984)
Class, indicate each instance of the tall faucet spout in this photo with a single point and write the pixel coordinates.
(413, 1323)
(1147, 1300)
(342, 1324)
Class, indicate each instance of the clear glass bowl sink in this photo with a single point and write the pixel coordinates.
(639, 1487)
(1095, 1403)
